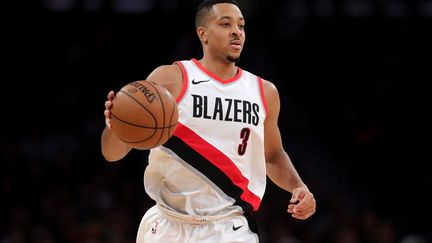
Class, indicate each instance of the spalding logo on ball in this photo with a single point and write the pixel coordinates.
(144, 119)
(146, 92)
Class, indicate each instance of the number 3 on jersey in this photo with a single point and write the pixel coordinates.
(244, 135)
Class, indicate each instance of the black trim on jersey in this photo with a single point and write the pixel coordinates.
(204, 166)
(253, 226)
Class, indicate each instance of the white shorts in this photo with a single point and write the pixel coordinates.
(164, 226)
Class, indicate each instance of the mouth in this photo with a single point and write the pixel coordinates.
(236, 44)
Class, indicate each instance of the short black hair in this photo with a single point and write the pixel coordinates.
(205, 7)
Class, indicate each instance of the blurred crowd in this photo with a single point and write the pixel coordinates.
(292, 8)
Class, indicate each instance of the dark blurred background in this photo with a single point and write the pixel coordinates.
(352, 76)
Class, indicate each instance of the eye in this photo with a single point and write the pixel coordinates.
(225, 24)
(241, 26)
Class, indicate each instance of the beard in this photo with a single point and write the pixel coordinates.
(233, 59)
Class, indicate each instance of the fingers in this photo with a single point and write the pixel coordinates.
(302, 204)
(107, 114)
(110, 98)
(303, 216)
(294, 198)
(108, 124)
(108, 106)
(301, 208)
(111, 95)
(296, 195)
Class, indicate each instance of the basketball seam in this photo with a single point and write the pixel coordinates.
(137, 101)
(163, 112)
(135, 125)
(154, 129)
(172, 115)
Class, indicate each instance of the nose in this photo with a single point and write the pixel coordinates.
(236, 31)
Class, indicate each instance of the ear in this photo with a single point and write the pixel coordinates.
(202, 34)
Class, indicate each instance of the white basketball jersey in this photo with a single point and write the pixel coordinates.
(214, 163)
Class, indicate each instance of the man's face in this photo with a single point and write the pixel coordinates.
(225, 31)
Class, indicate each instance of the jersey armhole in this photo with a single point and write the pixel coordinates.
(263, 99)
(185, 81)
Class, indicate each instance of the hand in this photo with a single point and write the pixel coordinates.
(107, 112)
(302, 204)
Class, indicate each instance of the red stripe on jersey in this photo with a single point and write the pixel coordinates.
(220, 160)
(214, 76)
(262, 94)
(185, 81)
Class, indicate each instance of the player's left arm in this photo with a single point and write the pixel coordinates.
(280, 169)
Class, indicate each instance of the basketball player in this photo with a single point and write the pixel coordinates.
(210, 177)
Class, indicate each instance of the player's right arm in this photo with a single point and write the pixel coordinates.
(113, 149)
(170, 77)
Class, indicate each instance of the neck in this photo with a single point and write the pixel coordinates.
(224, 70)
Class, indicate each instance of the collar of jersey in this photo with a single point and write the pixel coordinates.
(214, 76)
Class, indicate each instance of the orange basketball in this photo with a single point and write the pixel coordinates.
(144, 114)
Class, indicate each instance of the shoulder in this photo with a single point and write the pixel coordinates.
(270, 91)
(165, 73)
(271, 96)
(268, 86)
(170, 76)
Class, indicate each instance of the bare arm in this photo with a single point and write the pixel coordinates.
(280, 168)
(113, 149)
(170, 77)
